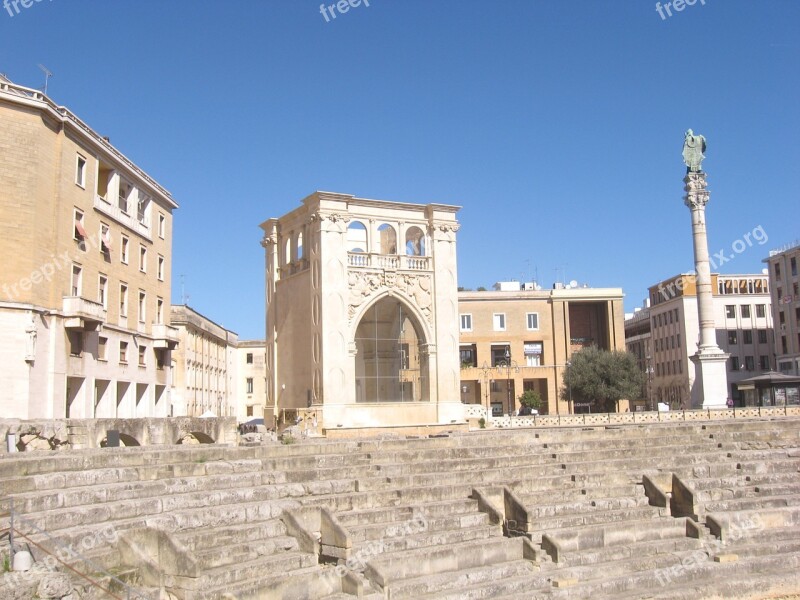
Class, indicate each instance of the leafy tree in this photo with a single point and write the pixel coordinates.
(531, 399)
(481, 288)
(602, 378)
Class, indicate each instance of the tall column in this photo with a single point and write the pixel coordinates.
(711, 379)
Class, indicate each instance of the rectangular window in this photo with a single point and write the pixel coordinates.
(249, 385)
(466, 322)
(761, 311)
(124, 192)
(143, 208)
(160, 358)
(143, 259)
(793, 266)
(534, 353)
(123, 251)
(763, 363)
(733, 337)
(159, 311)
(102, 291)
(80, 171)
(249, 358)
(249, 410)
(105, 239)
(469, 356)
(162, 225)
(123, 300)
(762, 336)
(142, 355)
(499, 355)
(730, 311)
(532, 321)
(123, 352)
(745, 311)
(142, 306)
(734, 363)
(78, 230)
(77, 275)
(747, 337)
(160, 268)
(749, 363)
(102, 348)
(75, 338)
(499, 320)
(778, 271)
(679, 340)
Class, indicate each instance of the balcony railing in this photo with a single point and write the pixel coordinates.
(80, 313)
(165, 336)
(142, 227)
(388, 261)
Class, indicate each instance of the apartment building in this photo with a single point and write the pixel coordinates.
(785, 286)
(251, 365)
(86, 249)
(743, 318)
(205, 361)
(518, 338)
(638, 341)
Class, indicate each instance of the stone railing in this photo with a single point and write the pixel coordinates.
(476, 411)
(391, 262)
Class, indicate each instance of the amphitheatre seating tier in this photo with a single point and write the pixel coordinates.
(594, 512)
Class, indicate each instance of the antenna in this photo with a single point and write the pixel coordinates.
(47, 76)
(184, 297)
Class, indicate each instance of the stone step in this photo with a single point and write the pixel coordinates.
(426, 561)
(507, 449)
(633, 442)
(432, 525)
(479, 582)
(204, 538)
(569, 524)
(316, 581)
(775, 465)
(626, 552)
(232, 552)
(751, 503)
(405, 513)
(602, 500)
(612, 529)
(390, 545)
(654, 451)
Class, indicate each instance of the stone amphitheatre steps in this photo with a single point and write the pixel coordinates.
(413, 520)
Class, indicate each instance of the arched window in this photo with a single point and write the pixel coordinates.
(287, 251)
(387, 240)
(415, 242)
(300, 246)
(356, 237)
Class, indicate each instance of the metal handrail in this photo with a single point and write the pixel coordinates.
(130, 592)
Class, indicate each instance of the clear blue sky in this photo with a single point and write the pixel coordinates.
(557, 124)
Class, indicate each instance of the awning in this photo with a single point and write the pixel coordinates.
(79, 228)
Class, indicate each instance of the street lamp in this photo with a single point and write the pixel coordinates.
(508, 364)
(649, 370)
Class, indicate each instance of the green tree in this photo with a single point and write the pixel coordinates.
(602, 378)
(531, 399)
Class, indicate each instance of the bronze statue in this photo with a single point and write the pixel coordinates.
(693, 148)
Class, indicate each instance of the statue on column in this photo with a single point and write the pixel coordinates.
(693, 148)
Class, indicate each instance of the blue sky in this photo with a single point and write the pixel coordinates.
(557, 125)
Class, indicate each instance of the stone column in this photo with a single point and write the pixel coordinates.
(711, 377)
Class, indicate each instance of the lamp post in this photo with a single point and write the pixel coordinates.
(649, 370)
(508, 364)
(486, 369)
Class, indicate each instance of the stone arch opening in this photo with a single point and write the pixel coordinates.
(387, 240)
(356, 237)
(196, 437)
(391, 360)
(415, 242)
(124, 440)
(300, 254)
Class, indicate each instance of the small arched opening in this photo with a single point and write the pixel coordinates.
(415, 242)
(387, 240)
(356, 237)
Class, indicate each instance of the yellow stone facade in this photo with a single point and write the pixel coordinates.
(86, 248)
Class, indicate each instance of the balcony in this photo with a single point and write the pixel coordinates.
(165, 336)
(80, 313)
(391, 262)
(142, 227)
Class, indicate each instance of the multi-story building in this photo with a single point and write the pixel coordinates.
(251, 365)
(638, 341)
(85, 248)
(785, 285)
(205, 380)
(743, 318)
(513, 340)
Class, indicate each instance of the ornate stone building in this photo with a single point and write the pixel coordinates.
(362, 312)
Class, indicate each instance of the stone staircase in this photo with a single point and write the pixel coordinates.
(640, 511)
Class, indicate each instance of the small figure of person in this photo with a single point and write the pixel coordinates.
(730, 402)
